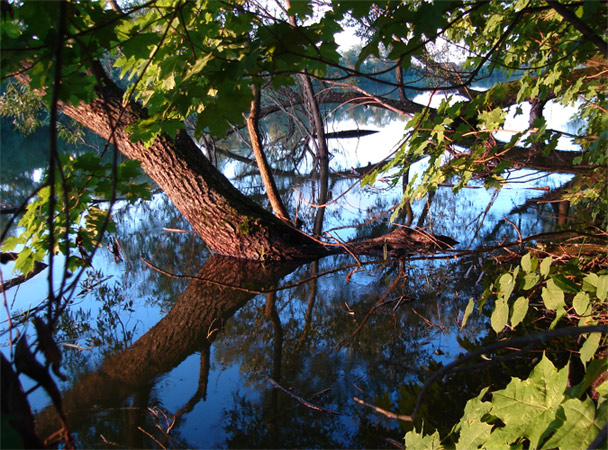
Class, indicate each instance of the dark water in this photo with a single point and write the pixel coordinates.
(230, 354)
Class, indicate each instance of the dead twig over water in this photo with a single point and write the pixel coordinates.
(389, 414)
(300, 399)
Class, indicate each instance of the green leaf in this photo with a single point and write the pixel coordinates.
(528, 263)
(579, 424)
(10, 243)
(519, 311)
(565, 284)
(581, 303)
(530, 280)
(467, 312)
(553, 296)
(500, 315)
(25, 261)
(590, 282)
(417, 441)
(528, 407)
(602, 287)
(545, 265)
(473, 432)
(506, 283)
(492, 120)
(590, 346)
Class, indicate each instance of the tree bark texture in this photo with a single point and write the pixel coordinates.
(230, 223)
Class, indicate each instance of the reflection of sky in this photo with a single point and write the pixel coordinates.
(450, 215)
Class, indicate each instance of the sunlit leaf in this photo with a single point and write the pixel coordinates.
(545, 266)
(473, 432)
(530, 280)
(581, 303)
(579, 424)
(500, 315)
(590, 346)
(506, 284)
(553, 296)
(602, 287)
(417, 440)
(519, 311)
(528, 407)
(467, 312)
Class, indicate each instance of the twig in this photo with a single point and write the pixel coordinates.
(152, 437)
(8, 315)
(394, 443)
(176, 230)
(389, 414)
(300, 399)
(427, 321)
(521, 243)
(345, 247)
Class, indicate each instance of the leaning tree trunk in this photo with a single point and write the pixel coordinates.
(230, 223)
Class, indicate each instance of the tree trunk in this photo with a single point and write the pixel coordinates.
(319, 131)
(228, 222)
(258, 151)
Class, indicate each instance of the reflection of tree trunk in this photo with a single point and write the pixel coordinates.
(258, 151)
(203, 379)
(425, 210)
(562, 212)
(277, 329)
(311, 302)
(198, 315)
(229, 222)
(277, 358)
(408, 214)
(136, 418)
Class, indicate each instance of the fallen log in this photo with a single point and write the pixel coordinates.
(401, 242)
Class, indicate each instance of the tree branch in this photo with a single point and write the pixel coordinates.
(579, 25)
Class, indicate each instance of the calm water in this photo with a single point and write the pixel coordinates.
(193, 361)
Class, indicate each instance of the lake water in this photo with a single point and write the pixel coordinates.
(194, 360)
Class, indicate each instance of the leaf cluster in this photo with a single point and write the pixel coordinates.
(540, 411)
(78, 221)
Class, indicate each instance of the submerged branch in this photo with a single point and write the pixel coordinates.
(300, 399)
(389, 414)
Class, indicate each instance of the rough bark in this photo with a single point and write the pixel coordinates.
(229, 222)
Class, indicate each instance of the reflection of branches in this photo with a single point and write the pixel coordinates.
(377, 305)
(300, 399)
(483, 215)
(514, 342)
